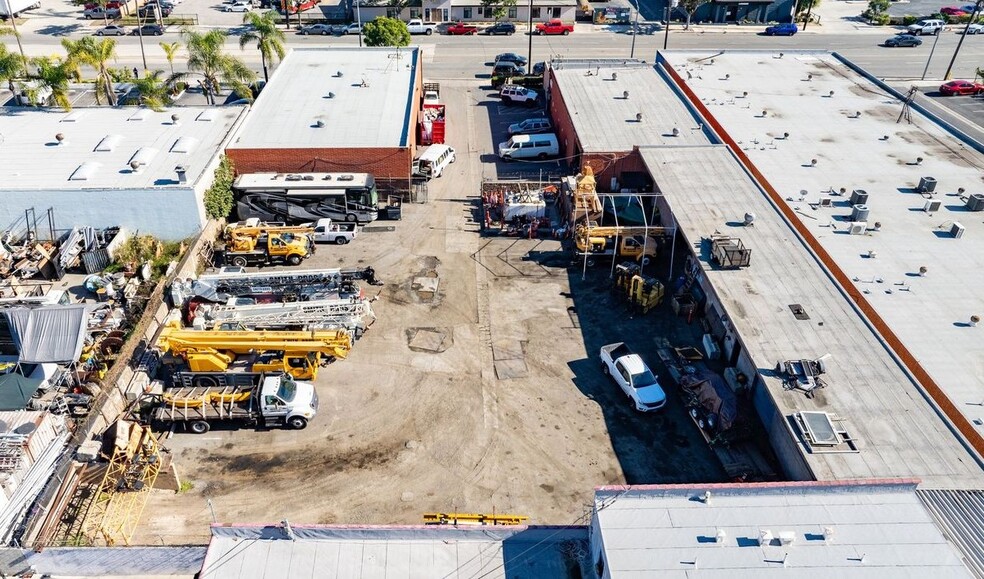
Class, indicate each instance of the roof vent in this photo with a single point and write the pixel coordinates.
(307, 178)
(330, 95)
(828, 534)
(706, 497)
(625, 94)
(809, 77)
(727, 77)
(721, 536)
(676, 132)
(320, 124)
(974, 320)
(830, 94)
(749, 219)
(60, 138)
(346, 177)
(614, 76)
(327, 177)
(765, 537)
(182, 177)
(135, 166)
(338, 74)
(638, 117)
(174, 119)
(787, 537)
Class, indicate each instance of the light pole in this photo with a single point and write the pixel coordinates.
(358, 17)
(13, 24)
(143, 55)
(529, 32)
(635, 30)
(973, 18)
(666, 36)
(931, 51)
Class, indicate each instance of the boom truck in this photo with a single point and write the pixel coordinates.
(297, 353)
(638, 243)
(255, 243)
(198, 399)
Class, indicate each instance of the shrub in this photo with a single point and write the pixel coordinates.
(909, 19)
(218, 198)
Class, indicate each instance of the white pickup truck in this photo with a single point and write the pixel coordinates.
(630, 372)
(328, 231)
(418, 26)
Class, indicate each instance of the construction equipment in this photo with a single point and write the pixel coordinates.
(643, 293)
(473, 519)
(197, 399)
(298, 353)
(352, 315)
(255, 243)
(730, 252)
(286, 286)
(639, 243)
(123, 492)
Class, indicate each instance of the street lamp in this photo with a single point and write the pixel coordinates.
(669, 10)
(13, 24)
(973, 17)
(635, 30)
(529, 24)
(358, 17)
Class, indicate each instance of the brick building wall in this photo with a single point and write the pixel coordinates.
(390, 166)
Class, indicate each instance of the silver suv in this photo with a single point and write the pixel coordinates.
(531, 126)
(924, 27)
(514, 94)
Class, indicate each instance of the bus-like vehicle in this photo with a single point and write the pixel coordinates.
(305, 197)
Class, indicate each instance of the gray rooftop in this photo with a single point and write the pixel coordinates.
(374, 114)
(157, 562)
(897, 430)
(348, 552)
(605, 121)
(861, 530)
(873, 152)
(100, 142)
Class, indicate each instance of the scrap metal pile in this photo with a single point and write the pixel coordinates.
(25, 257)
(516, 208)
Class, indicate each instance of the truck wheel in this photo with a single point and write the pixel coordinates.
(591, 262)
(297, 422)
(199, 427)
(294, 259)
(239, 261)
(429, 32)
(206, 382)
(645, 260)
(541, 156)
(340, 241)
(351, 218)
(566, 32)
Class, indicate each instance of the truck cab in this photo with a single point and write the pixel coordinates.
(282, 399)
(300, 365)
(630, 372)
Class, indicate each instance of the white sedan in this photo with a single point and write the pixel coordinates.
(973, 29)
(353, 28)
(238, 7)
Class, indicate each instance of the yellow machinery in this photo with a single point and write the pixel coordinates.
(643, 293)
(258, 243)
(298, 353)
(638, 243)
(122, 494)
(473, 519)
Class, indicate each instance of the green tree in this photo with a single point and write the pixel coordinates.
(268, 38)
(11, 66)
(876, 10)
(206, 58)
(170, 51)
(50, 82)
(499, 7)
(96, 54)
(154, 91)
(385, 31)
(688, 7)
(398, 6)
(218, 198)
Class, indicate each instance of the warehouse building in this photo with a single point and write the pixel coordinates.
(102, 167)
(336, 110)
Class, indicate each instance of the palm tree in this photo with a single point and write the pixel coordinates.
(154, 90)
(268, 38)
(11, 66)
(206, 58)
(170, 51)
(52, 75)
(96, 54)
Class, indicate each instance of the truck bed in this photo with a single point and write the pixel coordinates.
(616, 351)
(211, 408)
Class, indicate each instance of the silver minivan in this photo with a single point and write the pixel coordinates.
(529, 147)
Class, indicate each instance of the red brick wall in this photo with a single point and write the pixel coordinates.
(570, 147)
(390, 166)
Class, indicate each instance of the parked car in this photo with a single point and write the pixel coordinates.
(973, 29)
(93, 5)
(924, 27)
(461, 29)
(539, 68)
(531, 126)
(238, 7)
(507, 28)
(903, 40)
(529, 147)
(111, 30)
(554, 26)
(630, 372)
(953, 11)
(787, 29)
(418, 26)
(150, 11)
(510, 57)
(322, 29)
(98, 12)
(961, 87)
(513, 94)
(148, 30)
(353, 28)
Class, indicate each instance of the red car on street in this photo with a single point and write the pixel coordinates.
(961, 87)
(109, 5)
(954, 11)
(555, 26)
(460, 28)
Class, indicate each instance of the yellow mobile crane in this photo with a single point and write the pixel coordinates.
(638, 242)
(254, 243)
(296, 353)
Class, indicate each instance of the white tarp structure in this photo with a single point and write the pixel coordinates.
(52, 334)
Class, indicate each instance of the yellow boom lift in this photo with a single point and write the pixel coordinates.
(637, 243)
(259, 244)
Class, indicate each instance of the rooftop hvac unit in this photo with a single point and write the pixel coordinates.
(927, 184)
(860, 213)
(859, 197)
(932, 206)
(975, 202)
(858, 228)
(956, 230)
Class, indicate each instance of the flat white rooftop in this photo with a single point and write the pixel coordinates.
(363, 97)
(859, 530)
(99, 144)
(604, 117)
(816, 99)
(897, 431)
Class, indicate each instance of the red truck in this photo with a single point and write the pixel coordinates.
(460, 28)
(555, 26)
(431, 127)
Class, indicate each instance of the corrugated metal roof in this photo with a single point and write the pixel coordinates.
(961, 514)
(105, 561)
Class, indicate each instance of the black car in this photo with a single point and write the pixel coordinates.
(150, 11)
(539, 68)
(507, 28)
(511, 57)
(148, 30)
(903, 40)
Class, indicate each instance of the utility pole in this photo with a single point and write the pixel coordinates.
(358, 17)
(635, 30)
(143, 55)
(973, 18)
(13, 24)
(666, 36)
(931, 51)
(529, 51)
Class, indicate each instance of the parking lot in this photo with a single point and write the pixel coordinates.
(484, 395)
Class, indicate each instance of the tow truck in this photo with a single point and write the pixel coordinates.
(637, 243)
(262, 244)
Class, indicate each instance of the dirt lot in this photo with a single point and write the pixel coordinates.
(485, 395)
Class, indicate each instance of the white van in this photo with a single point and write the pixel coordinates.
(529, 147)
(433, 160)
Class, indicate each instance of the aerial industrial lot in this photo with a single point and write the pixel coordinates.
(357, 322)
